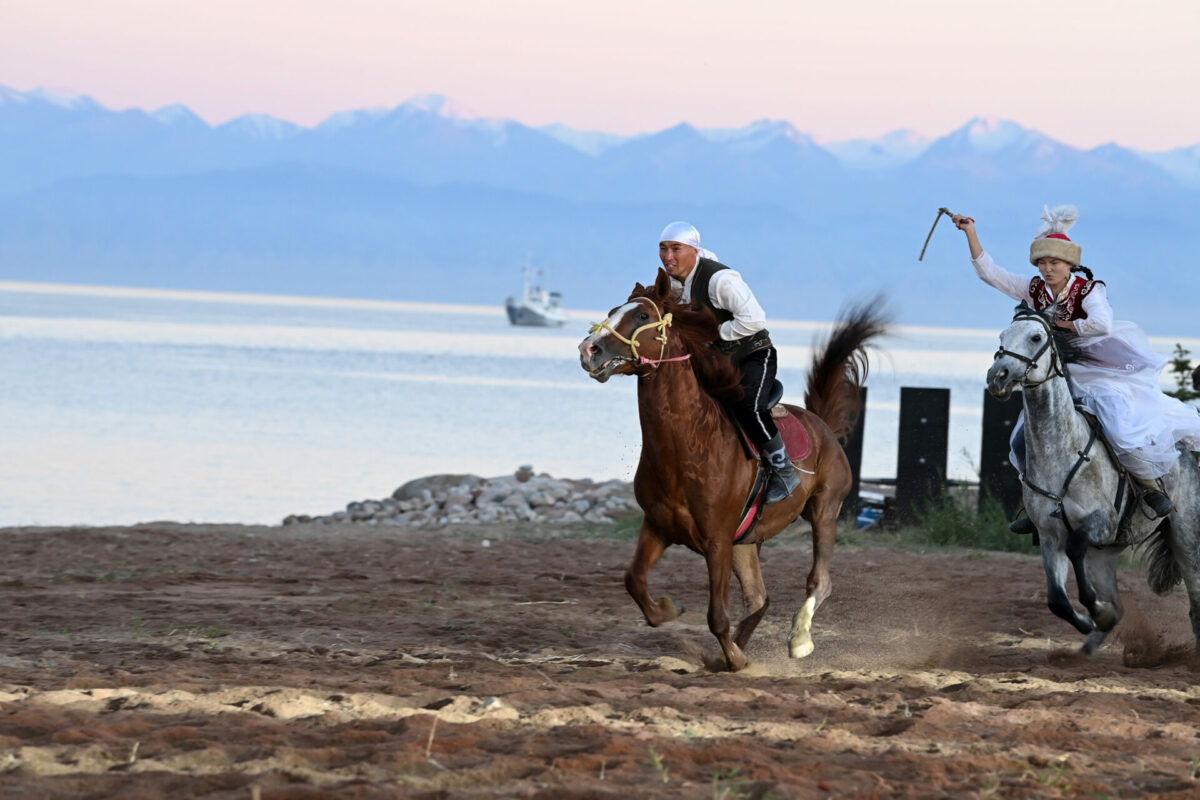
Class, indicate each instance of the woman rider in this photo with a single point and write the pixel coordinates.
(1119, 382)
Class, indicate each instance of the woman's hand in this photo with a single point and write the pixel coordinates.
(967, 226)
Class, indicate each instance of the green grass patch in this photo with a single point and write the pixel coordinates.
(952, 520)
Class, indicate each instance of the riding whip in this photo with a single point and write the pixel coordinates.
(941, 211)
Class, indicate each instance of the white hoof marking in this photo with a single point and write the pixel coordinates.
(800, 641)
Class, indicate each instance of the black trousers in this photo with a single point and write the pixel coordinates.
(752, 411)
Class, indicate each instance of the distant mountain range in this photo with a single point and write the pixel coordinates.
(423, 202)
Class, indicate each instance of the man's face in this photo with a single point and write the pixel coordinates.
(678, 259)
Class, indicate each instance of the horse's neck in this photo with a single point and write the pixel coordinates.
(1052, 424)
(675, 413)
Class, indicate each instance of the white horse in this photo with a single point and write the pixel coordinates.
(1084, 506)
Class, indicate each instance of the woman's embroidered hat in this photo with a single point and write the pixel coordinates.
(1051, 240)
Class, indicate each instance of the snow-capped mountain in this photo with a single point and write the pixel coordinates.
(260, 127)
(433, 196)
(593, 143)
(1182, 162)
(890, 150)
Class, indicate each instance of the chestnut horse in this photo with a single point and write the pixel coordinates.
(694, 476)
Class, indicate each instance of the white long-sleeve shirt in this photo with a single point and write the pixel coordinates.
(729, 292)
(1099, 311)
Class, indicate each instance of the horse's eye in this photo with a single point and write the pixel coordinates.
(1037, 337)
(642, 317)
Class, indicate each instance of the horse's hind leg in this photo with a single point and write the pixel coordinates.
(650, 548)
(749, 574)
(822, 513)
(1106, 609)
(1188, 560)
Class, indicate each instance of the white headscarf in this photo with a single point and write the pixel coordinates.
(687, 234)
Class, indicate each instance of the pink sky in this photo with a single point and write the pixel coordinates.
(1084, 73)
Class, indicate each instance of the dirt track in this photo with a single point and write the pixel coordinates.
(322, 661)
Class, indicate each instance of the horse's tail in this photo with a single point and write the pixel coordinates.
(839, 368)
(1162, 570)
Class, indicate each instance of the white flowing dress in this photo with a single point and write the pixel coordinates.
(1120, 386)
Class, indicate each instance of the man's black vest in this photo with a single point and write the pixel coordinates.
(738, 348)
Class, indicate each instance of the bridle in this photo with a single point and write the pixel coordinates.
(664, 322)
(1030, 362)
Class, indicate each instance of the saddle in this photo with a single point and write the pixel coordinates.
(799, 446)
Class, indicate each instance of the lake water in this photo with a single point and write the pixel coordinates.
(122, 406)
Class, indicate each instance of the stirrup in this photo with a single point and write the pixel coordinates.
(781, 484)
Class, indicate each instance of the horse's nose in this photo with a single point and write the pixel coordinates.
(588, 352)
(997, 380)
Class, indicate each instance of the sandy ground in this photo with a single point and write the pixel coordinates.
(320, 661)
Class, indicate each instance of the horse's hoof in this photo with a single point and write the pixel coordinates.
(1093, 642)
(1104, 615)
(669, 610)
(736, 660)
(800, 641)
(801, 648)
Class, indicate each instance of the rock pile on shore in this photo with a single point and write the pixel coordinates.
(522, 496)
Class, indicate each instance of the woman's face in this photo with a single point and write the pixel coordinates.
(1054, 271)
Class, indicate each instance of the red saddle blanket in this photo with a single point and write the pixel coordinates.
(799, 446)
(795, 437)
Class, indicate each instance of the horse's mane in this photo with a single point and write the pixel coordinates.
(697, 328)
(1068, 343)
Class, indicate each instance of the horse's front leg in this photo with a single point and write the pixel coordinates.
(1055, 563)
(822, 513)
(1102, 565)
(747, 568)
(650, 548)
(719, 559)
(1097, 596)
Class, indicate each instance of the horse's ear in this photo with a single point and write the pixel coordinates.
(662, 286)
(1022, 310)
(638, 291)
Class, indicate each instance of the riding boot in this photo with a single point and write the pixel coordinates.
(784, 479)
(1023, 525)
(1155, 496)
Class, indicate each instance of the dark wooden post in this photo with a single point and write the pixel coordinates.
(853, 449)
(997, 478)
(921, 454)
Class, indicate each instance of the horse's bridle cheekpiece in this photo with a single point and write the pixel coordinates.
(1031, 361)
(664, 322)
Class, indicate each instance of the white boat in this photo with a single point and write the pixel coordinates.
(535, 306)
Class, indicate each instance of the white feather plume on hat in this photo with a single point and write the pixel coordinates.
(1057, 220)
(1052, 240)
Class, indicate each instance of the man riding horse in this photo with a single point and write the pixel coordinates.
(705, 282)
